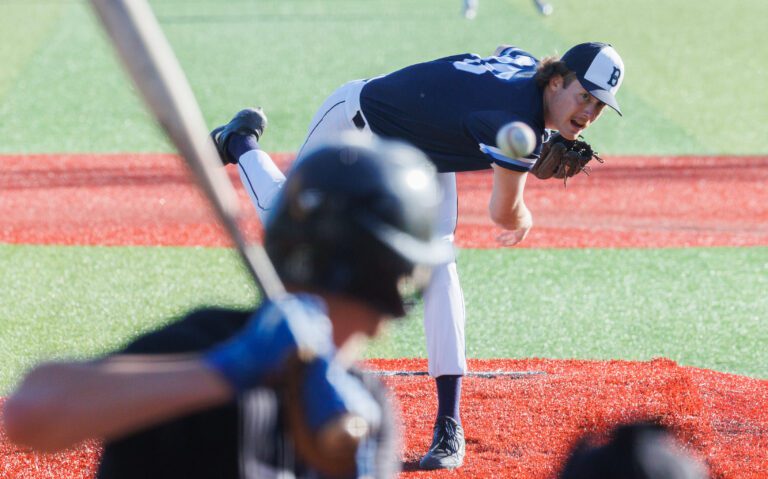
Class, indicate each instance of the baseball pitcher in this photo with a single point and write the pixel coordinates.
(452, 108)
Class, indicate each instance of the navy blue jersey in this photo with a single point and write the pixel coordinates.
(452, 108)
(242, 439)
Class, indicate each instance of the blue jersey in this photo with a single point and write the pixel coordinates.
(246, 438)
(452, 108)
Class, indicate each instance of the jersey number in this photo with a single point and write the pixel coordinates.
(501, 67)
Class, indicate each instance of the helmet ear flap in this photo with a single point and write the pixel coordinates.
(319, 242)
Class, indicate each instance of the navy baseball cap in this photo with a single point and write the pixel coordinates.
(599, 69)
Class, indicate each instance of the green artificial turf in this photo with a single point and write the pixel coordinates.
(693, 82)
(701, 307)
(61, 301)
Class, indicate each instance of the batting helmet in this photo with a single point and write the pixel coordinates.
(636, 451)
(357, 218)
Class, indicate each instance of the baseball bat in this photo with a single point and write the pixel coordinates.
(159, 78)
(157, 75)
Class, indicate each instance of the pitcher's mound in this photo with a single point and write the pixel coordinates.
(522, 416)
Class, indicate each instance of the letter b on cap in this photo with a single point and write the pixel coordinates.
(614, 80)
(606, 70)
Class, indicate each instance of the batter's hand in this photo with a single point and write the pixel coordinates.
(515, 236)
(329, 414)
(287, 326)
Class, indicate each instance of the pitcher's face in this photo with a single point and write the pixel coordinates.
(570, 110)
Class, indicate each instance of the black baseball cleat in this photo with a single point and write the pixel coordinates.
(251, 121)
(448, 447)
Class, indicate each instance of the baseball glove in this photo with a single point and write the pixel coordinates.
(562, 158)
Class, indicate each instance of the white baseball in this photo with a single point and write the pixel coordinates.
(516, 139)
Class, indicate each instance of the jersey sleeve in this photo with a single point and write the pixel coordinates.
(483, 126)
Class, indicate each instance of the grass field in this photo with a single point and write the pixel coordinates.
(80, 301)
(684, 92)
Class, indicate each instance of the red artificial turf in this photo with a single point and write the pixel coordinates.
(519, 428)
(20, 463)
(523, 428)
(149, 199)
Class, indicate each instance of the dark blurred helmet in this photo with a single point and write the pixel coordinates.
(357, 217)
(635, 451)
